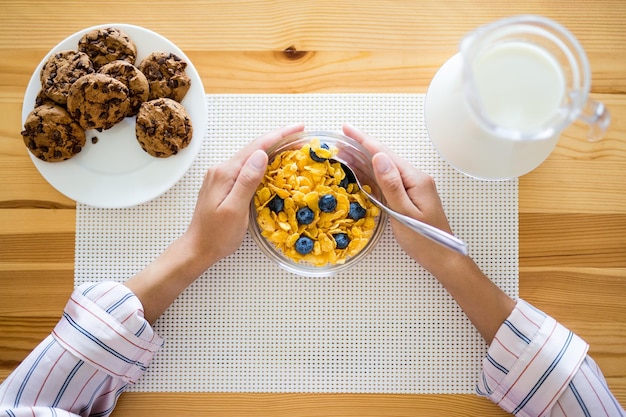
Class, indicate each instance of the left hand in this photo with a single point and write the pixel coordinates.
(220, 218)
(413, 193)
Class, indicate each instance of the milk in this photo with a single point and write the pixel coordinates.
(519, 86)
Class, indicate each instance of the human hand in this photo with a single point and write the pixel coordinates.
(410, 192)
(220, 218)
(413, 193)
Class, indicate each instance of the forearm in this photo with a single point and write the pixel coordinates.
(484, 303)
(161, 282)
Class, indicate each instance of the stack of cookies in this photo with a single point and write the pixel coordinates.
(97, 86)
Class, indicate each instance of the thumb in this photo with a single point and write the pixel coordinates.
(250, 176)
(390, 182)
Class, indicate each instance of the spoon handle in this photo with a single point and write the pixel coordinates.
(442, 237)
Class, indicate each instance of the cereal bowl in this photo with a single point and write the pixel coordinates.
(307, 215)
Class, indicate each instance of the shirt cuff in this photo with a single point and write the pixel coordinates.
(103, 324)
(530, 362)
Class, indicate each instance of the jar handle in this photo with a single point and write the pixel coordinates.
(598, 117)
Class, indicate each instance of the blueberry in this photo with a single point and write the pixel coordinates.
(348, 178)
(304, 245)
(356, 211)
(342, 240)
(327, 203)
(305, 215)
(314, 156)
(276, 204)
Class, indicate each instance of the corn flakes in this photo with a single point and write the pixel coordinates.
(297, 179)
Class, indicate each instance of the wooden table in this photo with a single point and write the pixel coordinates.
(572, 208)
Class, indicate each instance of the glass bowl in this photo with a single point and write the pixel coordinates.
(359, 160)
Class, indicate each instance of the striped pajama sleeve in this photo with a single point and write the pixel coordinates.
(101, 344)
(537, 367)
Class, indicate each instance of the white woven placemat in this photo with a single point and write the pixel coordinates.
(385, 326)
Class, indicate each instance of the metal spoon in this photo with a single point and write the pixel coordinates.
(437, 235)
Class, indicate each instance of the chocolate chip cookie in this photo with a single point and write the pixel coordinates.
(51, 134)
(166, 74)
(42, 99)
(98, 101)
(135, 80)
(60, 71)
(163, 127)
(108, 45)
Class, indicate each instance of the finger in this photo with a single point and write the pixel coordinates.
(375, 146)
(369, 142)
(413, 178)
(222, 177)
(263, 142)
(410, 192)
(248, 180)
(390, 181)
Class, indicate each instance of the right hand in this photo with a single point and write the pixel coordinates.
(411, 192)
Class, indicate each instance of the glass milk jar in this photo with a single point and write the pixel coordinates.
(496, 109)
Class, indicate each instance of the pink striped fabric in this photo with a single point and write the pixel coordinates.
(101, 344)
(536, 367)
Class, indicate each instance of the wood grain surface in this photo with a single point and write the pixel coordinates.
(572, 208)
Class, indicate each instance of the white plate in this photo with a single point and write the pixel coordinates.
(115, 172)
